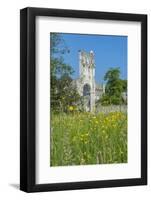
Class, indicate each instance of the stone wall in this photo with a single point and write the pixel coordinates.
(111, 108)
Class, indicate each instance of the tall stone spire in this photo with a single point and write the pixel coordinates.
(87, 78)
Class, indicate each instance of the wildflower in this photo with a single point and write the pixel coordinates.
(71, 108)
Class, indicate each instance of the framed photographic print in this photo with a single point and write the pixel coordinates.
(83, 99)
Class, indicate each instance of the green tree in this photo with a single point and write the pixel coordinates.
(124, 85)
(114, 87)
(62, 94)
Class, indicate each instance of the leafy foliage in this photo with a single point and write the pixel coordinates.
(114, 87)
(63, 93)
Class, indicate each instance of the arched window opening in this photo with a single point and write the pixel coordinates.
(86, 90)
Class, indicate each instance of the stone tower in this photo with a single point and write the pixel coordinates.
(87, 79)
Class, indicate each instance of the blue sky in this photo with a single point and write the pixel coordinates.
(110, 51)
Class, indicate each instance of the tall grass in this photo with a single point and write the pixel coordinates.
(85, 138)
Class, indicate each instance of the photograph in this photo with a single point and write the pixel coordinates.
(83, 99)
(88, 99)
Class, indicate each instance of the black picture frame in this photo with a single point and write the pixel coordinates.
(28, 99)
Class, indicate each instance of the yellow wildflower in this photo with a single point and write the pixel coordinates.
(71, 108)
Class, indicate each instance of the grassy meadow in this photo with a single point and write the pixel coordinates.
(83, 138)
